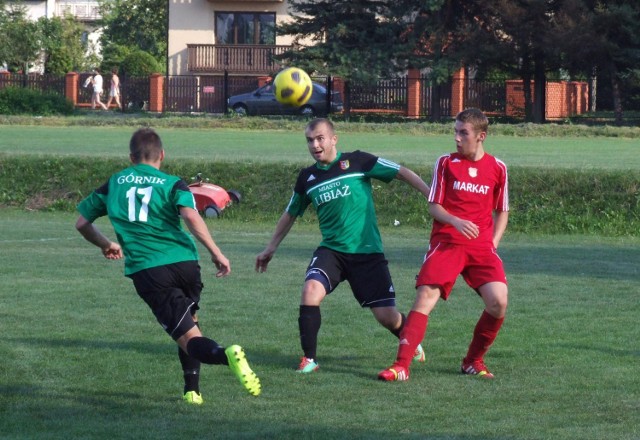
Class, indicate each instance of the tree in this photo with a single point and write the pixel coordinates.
(63, 45)
(20, 39)
(347, 38)
(136, 24)
(434, 36)
(605, 38)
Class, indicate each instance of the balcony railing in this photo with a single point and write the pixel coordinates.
(216, 58)
(82, 10)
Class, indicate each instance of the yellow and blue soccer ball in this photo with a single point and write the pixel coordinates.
(292, 86)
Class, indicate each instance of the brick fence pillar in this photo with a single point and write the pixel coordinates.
(156, 92)
(263, 80)
(338, 86)
(581, 91)
(71, 87)
(4, 76)
(458, 87)
(413, 93)
(515, 97)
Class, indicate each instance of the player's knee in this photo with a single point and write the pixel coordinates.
(314, 291)
(388, 317)
(496, 304)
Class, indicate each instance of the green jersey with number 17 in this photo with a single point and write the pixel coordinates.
(143, 205)
(341, 194)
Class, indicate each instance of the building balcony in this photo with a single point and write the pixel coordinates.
(234, 59)
(86, 10)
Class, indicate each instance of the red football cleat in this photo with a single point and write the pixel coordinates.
(394, 373)
(477, 368)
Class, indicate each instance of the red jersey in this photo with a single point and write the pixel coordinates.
(471, 191)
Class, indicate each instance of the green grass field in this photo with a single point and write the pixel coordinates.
(83, 358)
(250, 146)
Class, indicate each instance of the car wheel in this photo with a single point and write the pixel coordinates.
(307, 110)
(240, 109)
(234, 196)
(212, 211)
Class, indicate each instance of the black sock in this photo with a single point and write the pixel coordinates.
(190, 370)
(309, 325)
(207, 351)
(399, 329)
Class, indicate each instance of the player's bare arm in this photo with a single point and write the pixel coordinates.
(199, 230)
(467, 228)
(282, 229)
(111, 250)
(500, 220)
(406, 175)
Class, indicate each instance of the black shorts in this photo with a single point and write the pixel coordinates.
(367, 274)
(172, 292)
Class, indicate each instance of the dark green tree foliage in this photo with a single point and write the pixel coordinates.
(20, 39)
(136, 24)
(62, 44)
(603, 38)
(517, 37)
(113, 55)
(354, 39)
(435, 36)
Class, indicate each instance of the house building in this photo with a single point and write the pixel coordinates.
(236, 37)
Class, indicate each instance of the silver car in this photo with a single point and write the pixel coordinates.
(262, 101)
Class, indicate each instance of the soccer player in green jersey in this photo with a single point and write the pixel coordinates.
(144, 206)
(339, 187)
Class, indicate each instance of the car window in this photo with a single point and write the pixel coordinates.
(319, 88)
(266, 89)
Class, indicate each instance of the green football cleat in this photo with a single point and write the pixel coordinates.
(307, 366)
(240, 367)
(193, 398)
(418, 355)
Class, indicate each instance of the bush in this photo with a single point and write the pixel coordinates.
(113, 55)
(140, 63)
(20, 101)
(542, 201)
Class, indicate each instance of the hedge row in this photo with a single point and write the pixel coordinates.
(542, 200)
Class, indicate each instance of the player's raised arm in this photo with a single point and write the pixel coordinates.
(282, 229)
(406, 175)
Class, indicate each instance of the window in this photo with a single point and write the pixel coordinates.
(245, 28)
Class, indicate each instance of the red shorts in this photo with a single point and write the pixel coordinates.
(445, 261)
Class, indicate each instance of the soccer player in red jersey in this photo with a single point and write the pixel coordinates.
(469, 203)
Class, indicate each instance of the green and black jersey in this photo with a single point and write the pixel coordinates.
(143, 205)
(341, 195)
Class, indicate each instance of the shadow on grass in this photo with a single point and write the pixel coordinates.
(619, 263)
(94, 344)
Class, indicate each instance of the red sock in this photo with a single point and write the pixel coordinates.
(411, 335)
(483, 336)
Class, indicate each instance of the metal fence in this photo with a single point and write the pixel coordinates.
(490, 97)
(134, 92)
(209, 94)
(34, 81)
(384, 94)
(439, 94)
(204, 94)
